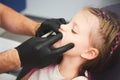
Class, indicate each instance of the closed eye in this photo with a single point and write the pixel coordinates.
(73, 31)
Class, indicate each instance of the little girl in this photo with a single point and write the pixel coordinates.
(95, 35)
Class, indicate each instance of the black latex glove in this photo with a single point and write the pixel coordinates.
(50, 25)
(38, 52)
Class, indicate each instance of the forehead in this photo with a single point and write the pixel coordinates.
(86, 18)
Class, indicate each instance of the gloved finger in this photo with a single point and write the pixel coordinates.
(63, 49)
(53, 39)
(62, 20)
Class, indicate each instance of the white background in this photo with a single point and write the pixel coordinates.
(61, 8)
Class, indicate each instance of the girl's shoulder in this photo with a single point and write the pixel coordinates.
(45, 69)
(44, 73)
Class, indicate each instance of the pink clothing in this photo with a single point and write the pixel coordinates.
(50, 73)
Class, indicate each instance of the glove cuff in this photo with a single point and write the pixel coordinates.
(20, 53)
(37, 29)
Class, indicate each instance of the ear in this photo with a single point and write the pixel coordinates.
(90, 54)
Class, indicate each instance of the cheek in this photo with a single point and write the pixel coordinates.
(76, 49)
(69, 38)
(79, 47)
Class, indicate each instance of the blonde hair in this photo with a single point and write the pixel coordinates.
(106, 40)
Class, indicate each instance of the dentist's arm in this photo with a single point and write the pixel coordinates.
(9, 60)
(17, 23)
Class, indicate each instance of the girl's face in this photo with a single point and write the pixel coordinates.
(78, 32)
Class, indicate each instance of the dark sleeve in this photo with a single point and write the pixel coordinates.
(17, 5)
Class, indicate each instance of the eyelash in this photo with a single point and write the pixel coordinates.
(73, 31)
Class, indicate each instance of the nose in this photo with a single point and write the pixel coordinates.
(65, 27)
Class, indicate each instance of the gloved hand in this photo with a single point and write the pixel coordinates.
(38, 52)
(50, 25)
